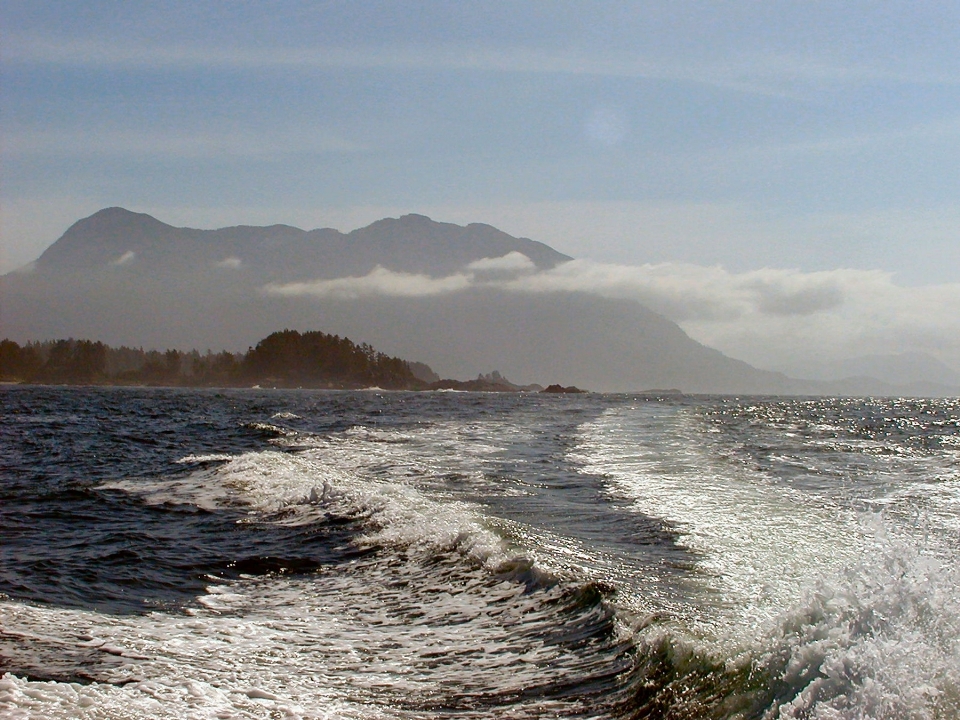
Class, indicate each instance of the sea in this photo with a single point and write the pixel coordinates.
(258, 553)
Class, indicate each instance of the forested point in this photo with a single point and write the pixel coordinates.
(282, 359)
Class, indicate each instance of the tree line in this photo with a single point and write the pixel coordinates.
(283, 359)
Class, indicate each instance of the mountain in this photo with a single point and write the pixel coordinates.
(410, 286)
(911, 368)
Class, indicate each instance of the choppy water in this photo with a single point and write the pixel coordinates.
(254, 554)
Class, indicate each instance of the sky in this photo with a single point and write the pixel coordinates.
(779, 177)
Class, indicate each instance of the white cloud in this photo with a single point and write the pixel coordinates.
(511, 262)
(379, 281)
(874, 316)
(693, 292)
(125, 259)
(231, 263)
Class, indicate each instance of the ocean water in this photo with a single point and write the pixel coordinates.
(171, 553)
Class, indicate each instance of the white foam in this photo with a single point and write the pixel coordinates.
(843, 614)
(880, 641)
(285, 416)
(361, 642)
(194, 459)
(379, 475)
(757, 544)
(195, 489)
(396, 513)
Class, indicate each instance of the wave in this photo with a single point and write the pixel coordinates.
(436, 612)
(407, 638)
(880, 641)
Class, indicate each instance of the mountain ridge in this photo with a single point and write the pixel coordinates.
(106, 236)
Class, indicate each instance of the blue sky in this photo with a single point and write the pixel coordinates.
(798, 136)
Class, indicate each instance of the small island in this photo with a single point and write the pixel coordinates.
(491, 382)
(284, 359)
(560, 389)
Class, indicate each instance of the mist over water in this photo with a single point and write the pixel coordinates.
(252, 553)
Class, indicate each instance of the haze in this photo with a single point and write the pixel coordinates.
(778, 178)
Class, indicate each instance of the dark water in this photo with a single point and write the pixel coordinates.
(256, 553)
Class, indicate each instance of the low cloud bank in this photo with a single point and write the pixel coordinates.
(379, 281)
(512, 262)
(231, 263)
(769, 317)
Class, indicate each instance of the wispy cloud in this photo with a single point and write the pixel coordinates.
(512, 262)
(230, 263)
(498, 272)
(379, 281)
(147, 142)
(125, 259)
(763, 74)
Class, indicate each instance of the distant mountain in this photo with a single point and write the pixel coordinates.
(128, 279)
(900, 368)
(911, 373)
(864, 385)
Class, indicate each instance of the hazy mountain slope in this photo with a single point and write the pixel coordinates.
(572, 338)
(127, 278)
